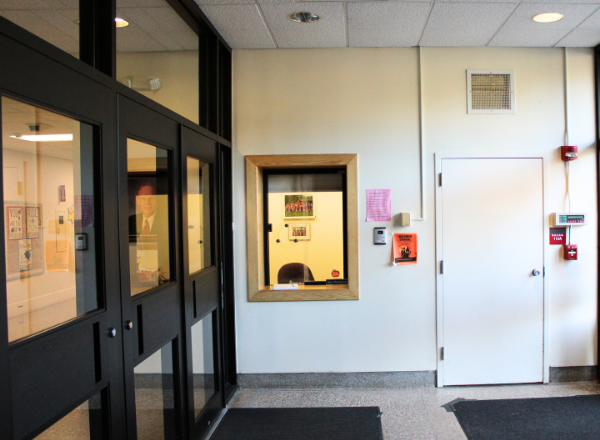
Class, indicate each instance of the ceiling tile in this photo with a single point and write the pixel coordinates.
(133, 43)
(6, 5)
(465, 24)
(528, 37)
(300, 39)
(329, 31)
(31, 22)
(241, 26)
(592, 22)
(224, 2)
(187, 40)
(165, 39)
(60, 22)
(574, 14)
(139, 18)
(166, 18)
(581, 38)
(141, 3)
(332, 16)
(395, 24)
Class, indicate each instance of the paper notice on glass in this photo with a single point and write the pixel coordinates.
(25, 255)
(33, 222)
(404, 249)
(379, 205)
(14, 215)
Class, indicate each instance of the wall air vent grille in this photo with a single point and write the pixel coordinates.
(491, 91)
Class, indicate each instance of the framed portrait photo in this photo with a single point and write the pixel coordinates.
(298, 206)
(299, 231)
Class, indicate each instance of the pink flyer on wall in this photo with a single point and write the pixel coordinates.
(379, 205)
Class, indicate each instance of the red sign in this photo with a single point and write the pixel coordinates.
(558, 235)
(335, 273)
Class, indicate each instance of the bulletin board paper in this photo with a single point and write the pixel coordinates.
(25, 255)
(405, 249)
(379, 205)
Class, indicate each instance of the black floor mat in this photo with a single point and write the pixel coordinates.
(363, 423)
(564, 418)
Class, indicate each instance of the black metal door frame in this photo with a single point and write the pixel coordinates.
(47, 374)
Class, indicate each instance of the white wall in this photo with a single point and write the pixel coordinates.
(365, 101)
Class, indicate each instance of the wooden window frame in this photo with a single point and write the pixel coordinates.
(257, 290)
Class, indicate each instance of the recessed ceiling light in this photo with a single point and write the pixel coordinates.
(548, 17)
(304, 17)
(121, 22)
(45, 137)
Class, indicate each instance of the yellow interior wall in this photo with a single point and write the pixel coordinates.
(324, 252)
(177, 71)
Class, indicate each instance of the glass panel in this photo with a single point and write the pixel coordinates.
(155, 396)
(83, 423)
(157, 55)
(198, 182)
(203, 362)
(57, 21)
(306, 212)
(48, 168)
(148, 186)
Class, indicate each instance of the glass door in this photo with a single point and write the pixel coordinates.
(151, 299)
(60, 340)
(202, 281)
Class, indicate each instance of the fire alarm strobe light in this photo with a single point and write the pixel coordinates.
(568, 153)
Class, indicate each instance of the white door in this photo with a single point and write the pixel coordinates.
(492, 241)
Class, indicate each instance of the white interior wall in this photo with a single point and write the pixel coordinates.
(365, 101)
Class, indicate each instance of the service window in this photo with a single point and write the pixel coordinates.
(305, 222)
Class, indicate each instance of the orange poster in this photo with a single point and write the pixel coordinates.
(404, 249)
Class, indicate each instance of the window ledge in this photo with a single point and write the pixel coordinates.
(306, 293)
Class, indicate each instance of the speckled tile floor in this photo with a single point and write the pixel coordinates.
(408, 413)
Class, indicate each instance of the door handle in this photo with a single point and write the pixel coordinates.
(112, 332)
(129, 325)
(535, 272)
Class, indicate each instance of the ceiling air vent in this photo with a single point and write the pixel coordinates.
(491, 91)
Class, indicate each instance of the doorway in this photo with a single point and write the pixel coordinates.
(492, 307)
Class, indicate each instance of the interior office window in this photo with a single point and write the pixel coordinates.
(155, 384)
(56, 22)
(148, 195)
(157, 55)
(305, 218)
(198, 215)
(203, 362)
(49, 217)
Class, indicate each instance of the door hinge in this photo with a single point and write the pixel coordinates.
(269, 227)
(441, 267)
(440, 179)
(442, 353)
(544, 271)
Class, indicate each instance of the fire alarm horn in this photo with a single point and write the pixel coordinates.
(568, 153)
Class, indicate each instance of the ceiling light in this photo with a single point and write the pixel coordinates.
(121, 22)
(304, 17)
(45, 137)
(548, 17)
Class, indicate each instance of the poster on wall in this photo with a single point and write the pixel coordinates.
(404, 249)
(299, 232)
(33, 222)
(24, 256)
(298, 206)
(379, 205)
(14, 220)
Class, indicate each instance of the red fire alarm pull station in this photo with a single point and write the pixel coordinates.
(570, 251)
(568, 153)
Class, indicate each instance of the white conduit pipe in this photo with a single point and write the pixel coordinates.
(421, 161)
(566, 139)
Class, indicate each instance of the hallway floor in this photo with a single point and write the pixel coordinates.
(408, 413)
